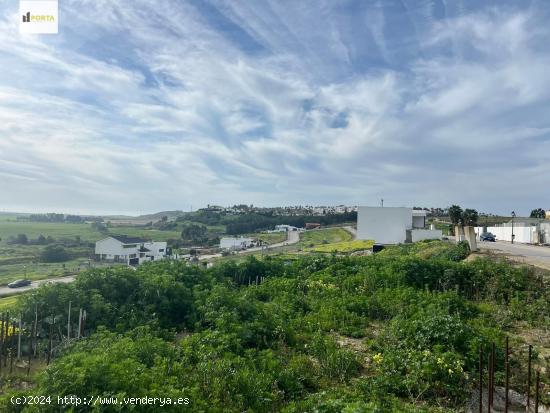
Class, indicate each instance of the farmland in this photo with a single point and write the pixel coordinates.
(24, 260)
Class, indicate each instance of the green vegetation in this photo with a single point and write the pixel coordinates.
(309, 239)
(538, 213)
(270, 237)
(254, 222)
(397, 331)
(57, 230)
(345, 246)
(7, 303)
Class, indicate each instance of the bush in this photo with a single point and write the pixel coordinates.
(54, 253)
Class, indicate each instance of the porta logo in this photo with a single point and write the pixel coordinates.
(27, 18)
(38, 16)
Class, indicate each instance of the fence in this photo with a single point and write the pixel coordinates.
(22, 341)
(532, 387)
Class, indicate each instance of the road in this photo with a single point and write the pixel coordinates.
(528, 254)
(292, 238)
(352, 231)
(35, 284)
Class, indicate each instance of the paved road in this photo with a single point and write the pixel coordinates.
(352, 231)
(35, 284)
(529, 254)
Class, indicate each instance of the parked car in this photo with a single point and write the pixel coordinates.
(487, 236)
(19, 283)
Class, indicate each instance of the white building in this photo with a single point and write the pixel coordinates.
(419, 218)
(389, 225)
(241, 243)
(130, 250)
(284, 228)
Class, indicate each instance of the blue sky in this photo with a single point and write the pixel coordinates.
(139, 106)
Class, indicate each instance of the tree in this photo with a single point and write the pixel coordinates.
(194, 233)
(99, 226)
(54, 253)
(455, 214)
(538, 213)
(21, 239)
(469, 217)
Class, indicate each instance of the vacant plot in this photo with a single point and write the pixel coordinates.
(312, 238)
(346, 246)
(270, 237)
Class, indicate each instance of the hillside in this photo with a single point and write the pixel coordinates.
(396, 331)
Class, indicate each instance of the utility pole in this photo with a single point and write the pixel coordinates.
(513, 216)
(382, 202)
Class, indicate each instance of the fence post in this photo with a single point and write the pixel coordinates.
(6, 341)
(84, 317)
(12, 350)
(529, 377)
(35, 329)
(69, 323)
(19, 337)
(493, 356)
(507, 382)
(537, 390)
(489, 381)
(1, 339)
(481, 378)
(50, 342)
(30, 348)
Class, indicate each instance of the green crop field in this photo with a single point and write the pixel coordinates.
(53, 229)
(323, 236)
(149, 234)
(345, 246)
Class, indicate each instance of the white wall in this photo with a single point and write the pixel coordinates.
(419, 221)
(235, 243)
(110, 247)
(422, 234)
(525, 235)
(154, 247)
(384, 225)
(545, 232)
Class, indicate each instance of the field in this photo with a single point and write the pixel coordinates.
(312, 238)
(344, 246)
(7, 303)
(56, 230)
(270, 237)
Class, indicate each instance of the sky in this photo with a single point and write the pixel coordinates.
(141, 106)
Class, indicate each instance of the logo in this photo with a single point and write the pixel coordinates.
(27, 18)
(38, 16)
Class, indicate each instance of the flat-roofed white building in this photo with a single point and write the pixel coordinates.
(393, 225)
(232, 243)
(130, 250)
(419, 218)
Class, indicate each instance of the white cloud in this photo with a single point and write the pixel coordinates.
(273, 103)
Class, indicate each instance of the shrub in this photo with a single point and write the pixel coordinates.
(54, 253)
